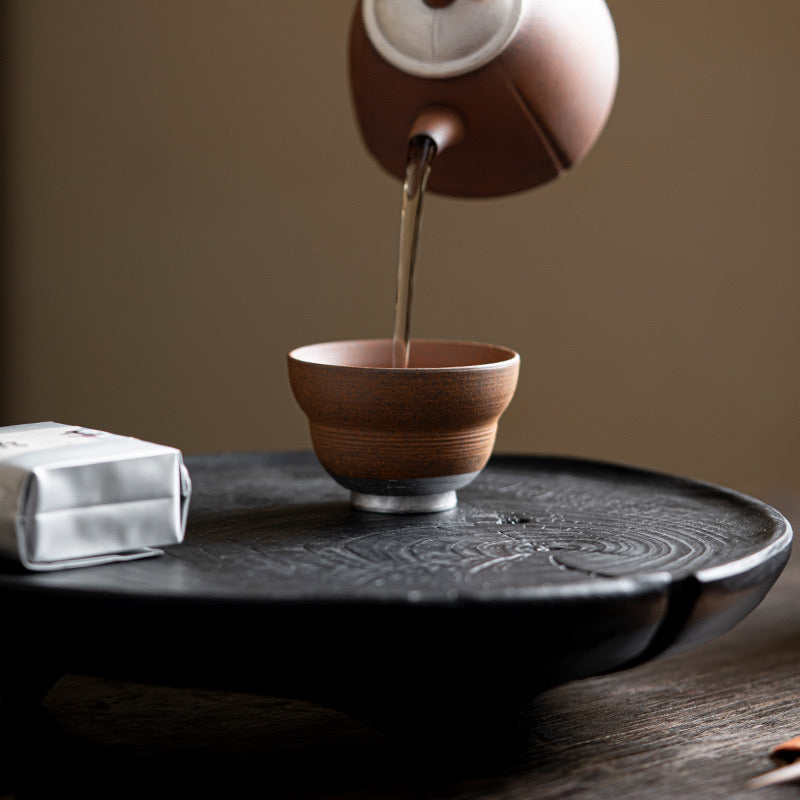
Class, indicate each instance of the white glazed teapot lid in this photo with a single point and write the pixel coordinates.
(440, 42)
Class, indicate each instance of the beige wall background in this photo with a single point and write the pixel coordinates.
(187, 199)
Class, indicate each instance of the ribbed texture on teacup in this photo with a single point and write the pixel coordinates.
(394, 455)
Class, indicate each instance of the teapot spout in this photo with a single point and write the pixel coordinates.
(441, 124)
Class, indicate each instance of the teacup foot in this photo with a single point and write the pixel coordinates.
(404, 504)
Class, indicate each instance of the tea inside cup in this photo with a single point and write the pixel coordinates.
(403, 439)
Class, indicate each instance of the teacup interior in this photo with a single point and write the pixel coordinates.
(425, 354)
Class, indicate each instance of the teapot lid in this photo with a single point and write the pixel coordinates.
(440, 40)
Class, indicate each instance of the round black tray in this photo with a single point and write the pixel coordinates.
(549, 569)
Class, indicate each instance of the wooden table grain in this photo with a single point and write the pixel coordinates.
(694, 725)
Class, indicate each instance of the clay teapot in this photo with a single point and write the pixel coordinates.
(515, 91)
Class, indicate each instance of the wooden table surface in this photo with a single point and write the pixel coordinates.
(695, 725)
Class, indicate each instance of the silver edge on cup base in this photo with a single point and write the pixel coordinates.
(405, 495)
(404, 504)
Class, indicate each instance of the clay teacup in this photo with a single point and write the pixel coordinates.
(403, 440)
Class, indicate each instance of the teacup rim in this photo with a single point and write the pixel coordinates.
(512, 356)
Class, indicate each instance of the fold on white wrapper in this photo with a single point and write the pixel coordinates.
(74, 497)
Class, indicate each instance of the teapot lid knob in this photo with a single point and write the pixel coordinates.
(440, 38)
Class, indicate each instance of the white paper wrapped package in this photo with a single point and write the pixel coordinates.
(73, 497)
